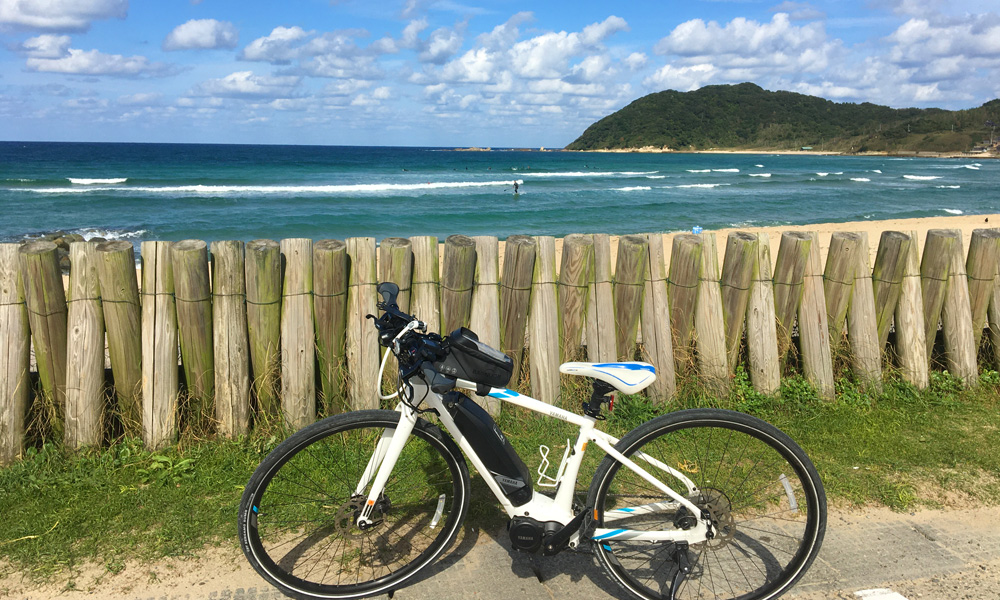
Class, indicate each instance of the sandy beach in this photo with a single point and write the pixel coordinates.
(965, 223)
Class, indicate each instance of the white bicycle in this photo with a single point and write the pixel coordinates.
(700, 503)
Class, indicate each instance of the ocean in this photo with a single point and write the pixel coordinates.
(219, 192)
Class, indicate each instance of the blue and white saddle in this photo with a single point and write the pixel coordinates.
(626, 377)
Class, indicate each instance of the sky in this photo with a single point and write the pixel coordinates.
(500, 73)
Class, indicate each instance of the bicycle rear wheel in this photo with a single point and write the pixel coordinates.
(298, 514)
(764, 497)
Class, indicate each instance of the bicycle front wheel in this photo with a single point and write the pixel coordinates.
(298, 515)
(764, 498)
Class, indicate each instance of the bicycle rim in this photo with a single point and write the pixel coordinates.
(765, 500)
(298, 515)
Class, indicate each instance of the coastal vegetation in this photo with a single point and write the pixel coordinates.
(747, 117)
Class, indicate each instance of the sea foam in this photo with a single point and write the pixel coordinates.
(952, 211)
(921, 177)
(113, 180)
(285, 189)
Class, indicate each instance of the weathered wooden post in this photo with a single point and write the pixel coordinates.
(838, 281)
(330, 277)
(709, 323)
(789, 273)
(298, 346)
(395, 264)
(193, 292)
(655, 322)
(630, 275)
(685, 272)
(85, 349)
(120, 299)
(425, 298)
(515, 296)
(601, 305)
(232, 345)
(862, 326)
(458, 273)
(911, 338)
(887, 278)
(160, 376)
(814, 330)
(45, 300)
(981, 267)
(737, 277)
(543, 324)
(935, 269)
(362, 338)
(263, 281)
(762, 331)
(485, 318)
(574, 274)
(956, 321)
(15, 352)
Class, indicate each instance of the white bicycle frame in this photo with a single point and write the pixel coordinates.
(541, 507)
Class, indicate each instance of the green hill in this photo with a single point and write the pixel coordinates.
(746, 116)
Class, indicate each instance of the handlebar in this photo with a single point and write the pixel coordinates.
(406, 336)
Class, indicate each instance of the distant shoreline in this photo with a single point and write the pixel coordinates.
(897, 154)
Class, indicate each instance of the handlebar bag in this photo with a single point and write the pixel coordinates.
(472, 360)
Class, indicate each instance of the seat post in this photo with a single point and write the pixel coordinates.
(598, 397)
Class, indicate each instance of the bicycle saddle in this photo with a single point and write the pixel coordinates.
(626, 377)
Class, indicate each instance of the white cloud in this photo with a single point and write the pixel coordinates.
(46, 46)
(920, 40)
(59, 15)
(441, 46)
(636, 61)
(202, 34)
(742, 37)
(683, 78)
(277, 47)
(246, 84)
(94, 62)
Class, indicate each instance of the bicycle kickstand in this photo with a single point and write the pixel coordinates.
(683, 567)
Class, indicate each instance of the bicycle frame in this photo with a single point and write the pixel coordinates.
(541, 507)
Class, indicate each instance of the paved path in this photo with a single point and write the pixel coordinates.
(872, 555)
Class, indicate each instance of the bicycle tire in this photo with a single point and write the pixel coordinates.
(297, 517)
(764, 495)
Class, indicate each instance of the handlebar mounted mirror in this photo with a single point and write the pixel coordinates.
(388, 291)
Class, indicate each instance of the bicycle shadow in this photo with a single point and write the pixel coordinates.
(486, 554)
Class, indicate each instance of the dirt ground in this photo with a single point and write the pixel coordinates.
(865, 549)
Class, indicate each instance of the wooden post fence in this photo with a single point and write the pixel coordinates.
(263, 285)
(330, 280)
(85, 354)
(15, 351)
(45, 299)
(298, 347)
(160, 375)
(232, 345)
(193, 292)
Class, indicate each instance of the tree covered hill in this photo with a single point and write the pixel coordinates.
(746, 116)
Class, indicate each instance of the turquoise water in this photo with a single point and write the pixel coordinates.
(214, 192)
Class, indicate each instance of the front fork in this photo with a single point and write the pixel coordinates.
(382, 462)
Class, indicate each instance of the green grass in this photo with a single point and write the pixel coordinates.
(901, 448)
